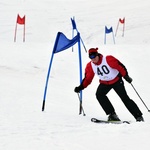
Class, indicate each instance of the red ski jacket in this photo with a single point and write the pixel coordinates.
(112, 62)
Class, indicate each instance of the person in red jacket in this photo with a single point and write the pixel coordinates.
(110, 72)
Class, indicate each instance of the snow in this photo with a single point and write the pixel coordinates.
(24, 66)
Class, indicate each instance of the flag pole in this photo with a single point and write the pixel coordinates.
(117, 29)
(105, 36)
(24, 34)
(15, 33)
(47, 79)
(113, 36)
(123, 28)
(24, 29)
(72, 37)
(80, 71)
(83, 44)
(81, 41)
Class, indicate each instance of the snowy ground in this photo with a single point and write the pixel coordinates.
(23, 71)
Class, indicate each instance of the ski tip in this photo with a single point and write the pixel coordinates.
(93, 119)
(126, 122)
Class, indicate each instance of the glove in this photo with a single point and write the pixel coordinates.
(78, 88)
(128, 79)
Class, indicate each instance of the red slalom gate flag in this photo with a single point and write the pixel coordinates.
(20, 20)
(122, 21)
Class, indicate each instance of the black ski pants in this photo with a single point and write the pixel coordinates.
(119, 88)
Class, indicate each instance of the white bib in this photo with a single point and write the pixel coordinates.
(104, 71)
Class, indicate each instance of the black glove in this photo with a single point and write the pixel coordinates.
(128, 79)
(78, 88)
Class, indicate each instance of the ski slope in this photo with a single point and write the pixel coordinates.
(24, 66)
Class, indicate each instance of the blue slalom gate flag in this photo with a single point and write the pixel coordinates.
(108, 30)
(74, 27)
(63, 43)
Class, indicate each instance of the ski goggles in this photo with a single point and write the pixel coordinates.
(93, 55)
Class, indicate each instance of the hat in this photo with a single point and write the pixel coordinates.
(93, 52)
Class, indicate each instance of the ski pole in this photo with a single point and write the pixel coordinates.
(81, 107)
(140, 97)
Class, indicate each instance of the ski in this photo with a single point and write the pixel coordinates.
(108, 122)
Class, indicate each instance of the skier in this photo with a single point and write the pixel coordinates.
(110, 72)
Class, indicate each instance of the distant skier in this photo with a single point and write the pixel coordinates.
(110, 72)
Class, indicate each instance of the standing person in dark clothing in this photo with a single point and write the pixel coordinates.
(110, 72)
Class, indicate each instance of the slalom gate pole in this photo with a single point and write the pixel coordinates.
(140, 97)
(15, 33)
(117, 29)
(81, 105)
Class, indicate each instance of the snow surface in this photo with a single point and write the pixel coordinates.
(24, 65)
